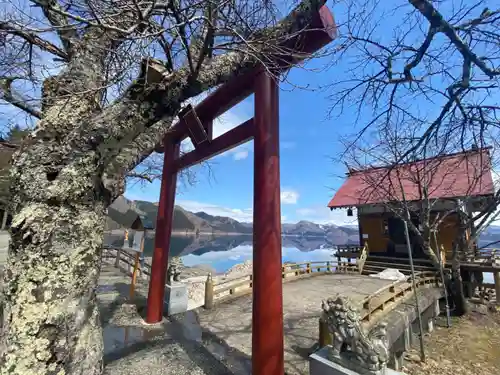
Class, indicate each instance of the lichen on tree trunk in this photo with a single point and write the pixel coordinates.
(50, 314)
(74, 164)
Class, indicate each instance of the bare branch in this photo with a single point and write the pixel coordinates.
(439, 23)
(140, 176)
(7, 94)
(33, 39)
(53, 11)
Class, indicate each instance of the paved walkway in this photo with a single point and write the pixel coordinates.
(218, 341)
(231, 322)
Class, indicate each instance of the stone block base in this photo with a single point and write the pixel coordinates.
(319, 364)
(176, 298)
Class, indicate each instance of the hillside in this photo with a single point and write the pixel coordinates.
(205, 223)
(225, 224)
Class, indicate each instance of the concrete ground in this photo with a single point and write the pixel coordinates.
(231, 322)
(217, 341)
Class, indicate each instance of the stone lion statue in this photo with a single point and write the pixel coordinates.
(350, 341)
(173, 271)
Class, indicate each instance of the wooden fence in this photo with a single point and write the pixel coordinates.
(380, 300)
(126, 260)
(217, 292)
(372, 307)
(372, 266)
(222, 291)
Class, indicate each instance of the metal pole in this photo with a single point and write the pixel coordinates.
(441, 271)
(410, 256)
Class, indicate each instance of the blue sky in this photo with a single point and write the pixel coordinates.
(308, 141)
(309, 138)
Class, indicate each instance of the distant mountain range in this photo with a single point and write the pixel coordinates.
(199, 245)
(201, 222)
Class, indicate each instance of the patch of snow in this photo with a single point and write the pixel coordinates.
(239, 270)
(390, 274)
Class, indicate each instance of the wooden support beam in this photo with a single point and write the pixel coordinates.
(196, 130)
(234, 137)
(209, 128)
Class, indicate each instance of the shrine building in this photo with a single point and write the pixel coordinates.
(442, 183)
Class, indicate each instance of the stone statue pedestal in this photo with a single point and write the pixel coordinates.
(320, 364)
(176, 298)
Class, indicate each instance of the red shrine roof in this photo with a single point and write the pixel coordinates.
(457, 175)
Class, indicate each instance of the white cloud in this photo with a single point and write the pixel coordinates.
(323, 215)
(240, 155)
(289, 196)
(291, 254)
(242, 215)
(244, 252)
(238, 253)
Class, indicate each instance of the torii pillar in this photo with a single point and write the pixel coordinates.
(163, 232)
(267, 309)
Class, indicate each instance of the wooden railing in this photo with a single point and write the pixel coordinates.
(349, 251)
(125, 261)
(487, 255)
(372, 307)
(390, 294)
(217, 292)
(373, 266)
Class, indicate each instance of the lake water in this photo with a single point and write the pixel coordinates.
(223, 252)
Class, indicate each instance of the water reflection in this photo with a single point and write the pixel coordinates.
(223, 252)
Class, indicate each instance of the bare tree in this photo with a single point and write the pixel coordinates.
(431, 67)
(104, 81)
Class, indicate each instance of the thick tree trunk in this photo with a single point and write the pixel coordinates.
(457, 285)
(50, 316)
(457, 292)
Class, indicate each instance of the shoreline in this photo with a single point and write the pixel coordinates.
(207, 234)
(116, 232)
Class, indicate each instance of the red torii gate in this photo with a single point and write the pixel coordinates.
(197, 123)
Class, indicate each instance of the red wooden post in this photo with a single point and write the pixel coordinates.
(267, 319)
(163, 233)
